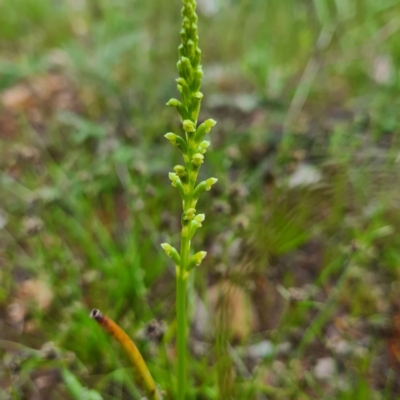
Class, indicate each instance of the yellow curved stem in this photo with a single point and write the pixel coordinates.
(142, 373)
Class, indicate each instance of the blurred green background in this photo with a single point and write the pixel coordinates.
(299, 297)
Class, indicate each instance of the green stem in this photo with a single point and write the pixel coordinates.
(181, 283)
(182, 276)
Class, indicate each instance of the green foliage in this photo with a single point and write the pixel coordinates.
(76, 389)
(94, 176)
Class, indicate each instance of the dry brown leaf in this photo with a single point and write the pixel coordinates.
(30, 293)
(16, 315)
(35, 92)
(36, 291)
(16, 98)
(37, 98)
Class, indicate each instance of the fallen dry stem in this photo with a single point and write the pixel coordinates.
(142, 373)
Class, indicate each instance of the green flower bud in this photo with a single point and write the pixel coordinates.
(200, 218)
(176, 182)
(184, 37)
(186, 67)
(180, 170)
(176, 140)
(179, 66)
(188, 8)
(197, 57)
(196, 260)
(173, 103)
(190, 46)
(181, 50)
(173, 177)
(210, 182)
(189, 214)
(186, 23)
(188, 126)
(172, 138)
(196, 102)
(197, 159)
(203, 146)
(171, 252)
(180, 107)
(194, 27)
(203, 128)
(198, 76)
(181, 81)
(186, 63)
(200, 256)
(209, 124)
(167, 248)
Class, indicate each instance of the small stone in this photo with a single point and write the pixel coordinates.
(325, 368)
(262, 349)
(32, 225)
(305, 175)
(208, 7)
